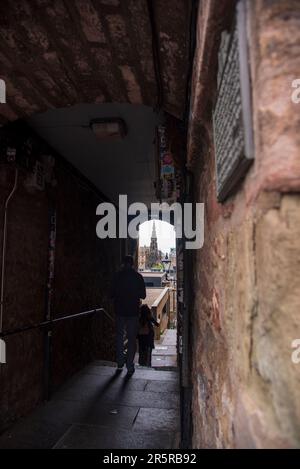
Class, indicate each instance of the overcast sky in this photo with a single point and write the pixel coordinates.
(165, 235)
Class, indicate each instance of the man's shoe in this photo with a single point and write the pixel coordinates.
(130, 373)
(119, 370)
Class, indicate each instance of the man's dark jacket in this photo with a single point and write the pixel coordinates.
(127, 290)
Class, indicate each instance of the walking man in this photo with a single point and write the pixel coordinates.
(127, 290)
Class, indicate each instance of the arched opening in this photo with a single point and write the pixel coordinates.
(64, 172)
(157, 264)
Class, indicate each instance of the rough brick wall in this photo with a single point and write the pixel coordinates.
(24, 299)
(83, 268)
(247, 275)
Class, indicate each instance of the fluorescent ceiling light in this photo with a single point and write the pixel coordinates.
(108, 128)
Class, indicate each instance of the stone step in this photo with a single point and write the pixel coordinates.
(98, 409)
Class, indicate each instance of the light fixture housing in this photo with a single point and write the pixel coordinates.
(109, 128)
(166, 263)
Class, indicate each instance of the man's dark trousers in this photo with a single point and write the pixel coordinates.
(129, 324)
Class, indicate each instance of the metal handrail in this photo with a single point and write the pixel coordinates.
(49, 323)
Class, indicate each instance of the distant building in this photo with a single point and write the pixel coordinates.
(154, 257)
(172, 257)
(150, 256)
(143, 257)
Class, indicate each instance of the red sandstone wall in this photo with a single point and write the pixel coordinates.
(247, 275)
(83, 268)
(83, 271)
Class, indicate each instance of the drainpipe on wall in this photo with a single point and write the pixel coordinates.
(49, 301)
(4, 244)
(186, 385)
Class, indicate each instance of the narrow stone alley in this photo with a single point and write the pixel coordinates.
(179, 115)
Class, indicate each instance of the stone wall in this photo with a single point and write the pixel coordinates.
(247, 275)
(83, 270)
(92, 52)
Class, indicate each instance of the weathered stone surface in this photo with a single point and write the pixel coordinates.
(247, 275)
(275, 64)
(106, 417)
(245, 384)
(275, 61)
(212, 15)
(57, 54)
(83, 270)
(162, 420)
(97, 437)
(277, 322)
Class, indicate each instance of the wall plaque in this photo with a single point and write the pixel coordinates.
(232, 115)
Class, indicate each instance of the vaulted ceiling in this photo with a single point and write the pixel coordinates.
(57, 53)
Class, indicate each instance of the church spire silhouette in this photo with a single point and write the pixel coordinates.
(153, 236)
(153, 251)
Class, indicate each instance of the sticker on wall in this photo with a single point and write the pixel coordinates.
(166, 166)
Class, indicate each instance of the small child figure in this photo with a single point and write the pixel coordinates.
(146, 335)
